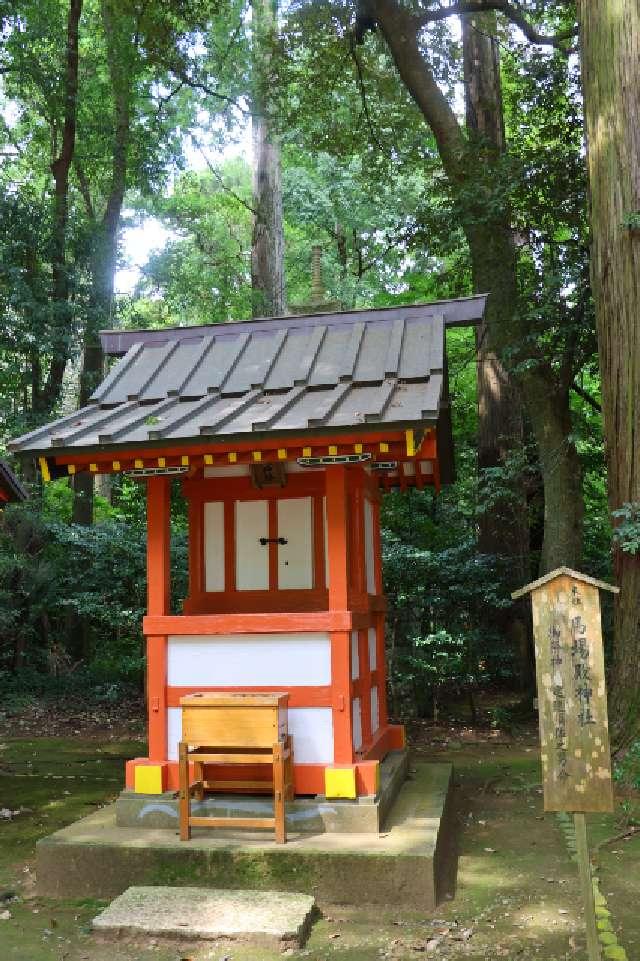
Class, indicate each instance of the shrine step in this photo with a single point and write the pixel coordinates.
(413, 862)
(267, 917)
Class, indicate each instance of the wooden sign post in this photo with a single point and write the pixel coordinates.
(572, 708)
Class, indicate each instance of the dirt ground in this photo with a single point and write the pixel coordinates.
(517, 897)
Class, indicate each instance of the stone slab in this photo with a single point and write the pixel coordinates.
(411, 862)
(265, 917)
(306, 815)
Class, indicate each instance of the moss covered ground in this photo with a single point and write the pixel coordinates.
(517, 897)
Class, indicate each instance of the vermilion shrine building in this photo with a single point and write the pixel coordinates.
(283, 431)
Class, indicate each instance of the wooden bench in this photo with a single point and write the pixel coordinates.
(225, 728)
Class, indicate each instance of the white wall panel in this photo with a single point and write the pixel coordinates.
(369, 557)
(174, 732)
(239, 660)
(355, 657)
(375, 711)
(312, 731)
(373, 648)
(214, 546)
(356, 720)
(295, 558)
(252, 559)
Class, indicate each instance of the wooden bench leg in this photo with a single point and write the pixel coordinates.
(185, 797)
(278, 794)
(288, 770)
(199, 776)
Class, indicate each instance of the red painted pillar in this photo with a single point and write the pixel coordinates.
(381, 654)
(158, 603)
(337, 546)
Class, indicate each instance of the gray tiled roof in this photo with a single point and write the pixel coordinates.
(318, 373)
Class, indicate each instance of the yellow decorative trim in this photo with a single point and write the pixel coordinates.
(162, 461)
(44, 469)
(306, 452)
(93, 468)
(257, 456)
(357, 448)
(184, 460)
(208, 459)
(384, 447)
(232, 457)
(411, 444)
(71, 469)
(333, 450)
(282, 453)
(340, 782)
(138, 463)
(147, 779)
(116, 465)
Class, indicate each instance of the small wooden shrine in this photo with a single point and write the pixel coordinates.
(283, 432)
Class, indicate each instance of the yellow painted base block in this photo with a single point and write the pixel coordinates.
(148, 779)
(340, 782)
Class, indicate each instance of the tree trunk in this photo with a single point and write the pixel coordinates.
(549, 412)
(546, 393)
(267, 242)
(60, 167)
(503, 528)
(106, 234)
(610, 38)
(500, 416)
(471, 163)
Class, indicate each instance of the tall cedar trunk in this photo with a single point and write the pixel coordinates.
(610, 36)
(503, 529)
(546, 393)
(267, 242)
(106, 232)
(46, 399)
(494, 266)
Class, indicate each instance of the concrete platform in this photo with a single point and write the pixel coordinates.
(412, 862)
(305, 815)
(266, 917)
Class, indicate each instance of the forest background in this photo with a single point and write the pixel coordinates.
(430, 150)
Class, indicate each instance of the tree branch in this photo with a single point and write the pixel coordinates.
(203, 87)
(218, 177)
(511, 11)
(363, 93)
(85, 191)
(399, 28)
(581, 392)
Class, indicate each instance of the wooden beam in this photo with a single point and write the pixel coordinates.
(276, 623)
